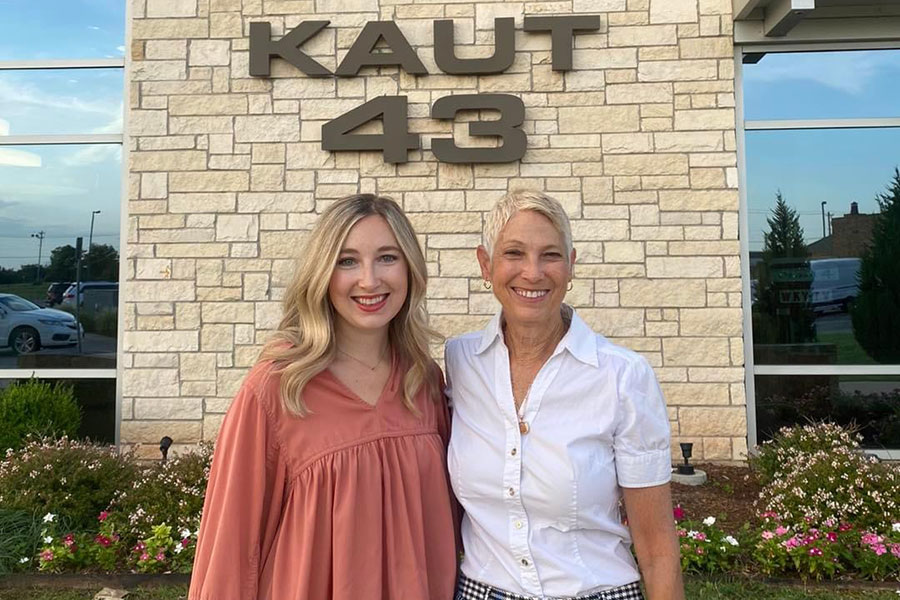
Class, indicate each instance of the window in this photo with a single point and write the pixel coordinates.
(61, 114)
(822, 187)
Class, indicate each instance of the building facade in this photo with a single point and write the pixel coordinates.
(650, 138)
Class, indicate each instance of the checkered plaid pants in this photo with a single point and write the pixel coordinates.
(469, 589)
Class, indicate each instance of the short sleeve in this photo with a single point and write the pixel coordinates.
(642, 435)
(243, 502)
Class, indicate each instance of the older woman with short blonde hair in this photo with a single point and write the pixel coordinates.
(553, 424)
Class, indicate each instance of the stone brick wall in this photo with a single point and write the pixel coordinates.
(226, 174)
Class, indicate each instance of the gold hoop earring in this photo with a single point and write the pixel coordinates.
(487, 284)
(571, 285)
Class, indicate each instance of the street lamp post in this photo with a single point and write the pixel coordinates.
(40, 237)
(94, 213)
(824, 233)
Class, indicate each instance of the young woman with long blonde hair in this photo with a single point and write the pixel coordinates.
(329, 479)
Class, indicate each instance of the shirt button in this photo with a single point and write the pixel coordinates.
(513, 452)
(524, 562)
(512, 492)
(518, 524)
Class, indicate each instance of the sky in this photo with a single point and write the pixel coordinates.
(54, 189)
(838, 166)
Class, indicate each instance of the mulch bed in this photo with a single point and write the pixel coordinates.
(728, 495)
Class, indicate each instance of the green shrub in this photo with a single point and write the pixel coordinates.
(816, 476)
(36, 408)
(789, 443)
(73, 480)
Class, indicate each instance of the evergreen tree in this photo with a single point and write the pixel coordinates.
(781, 314)
(876, 312)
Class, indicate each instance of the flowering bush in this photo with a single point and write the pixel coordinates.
(161, 552)
(793, 442)
(822, 477)
(705, 548)
(75, 480)
(168, 494)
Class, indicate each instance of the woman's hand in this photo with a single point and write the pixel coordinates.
(655, 542)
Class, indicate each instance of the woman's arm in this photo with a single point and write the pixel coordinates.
(652, 527)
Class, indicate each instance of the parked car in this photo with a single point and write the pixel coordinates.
(26, 327)
(107, 289)
(55, 292)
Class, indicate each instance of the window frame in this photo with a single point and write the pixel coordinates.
(83, 139)
(751, 370)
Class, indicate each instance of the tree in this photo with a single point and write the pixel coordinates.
(62, 264)
(102, 263)
(876, 312)
(781, 314)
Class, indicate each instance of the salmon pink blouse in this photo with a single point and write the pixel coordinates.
(351, 502)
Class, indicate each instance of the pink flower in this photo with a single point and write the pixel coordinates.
(678, 512)
(845, 527)
(879, 549)
(103, 540)
(145, 556)
(815, 552)
(700, 536)
(47, 555)
(791, 543)
(103, 516)
(69, 540)
(700, 551)
(140, 547)
(185, 542)
(160, 557)
(895, 550)
(770, 515)
(781, 530)
(870, 539)
(831, 536)
(767, 535)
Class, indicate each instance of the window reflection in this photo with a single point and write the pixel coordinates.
(61, 101)
(823, 85)
(57, 29)
(871, 403)
(824, 247)
(50, 196)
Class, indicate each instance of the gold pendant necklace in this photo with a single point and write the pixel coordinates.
(380, 358)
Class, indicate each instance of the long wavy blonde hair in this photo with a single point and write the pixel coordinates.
(304, 343)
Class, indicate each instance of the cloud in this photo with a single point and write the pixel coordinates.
(18, 158)
(121, 49)
(94, 154)
(23, 94)
(848, 72)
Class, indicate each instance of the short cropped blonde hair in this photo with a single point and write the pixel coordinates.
(518, 200)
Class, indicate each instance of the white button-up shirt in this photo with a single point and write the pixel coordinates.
(542, 507)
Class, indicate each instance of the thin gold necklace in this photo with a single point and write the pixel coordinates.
(363, 363)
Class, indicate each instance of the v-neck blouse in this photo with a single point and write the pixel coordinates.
(351, 502)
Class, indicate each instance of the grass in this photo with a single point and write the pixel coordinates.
(696, 590)
(849, 352)
(37, 293)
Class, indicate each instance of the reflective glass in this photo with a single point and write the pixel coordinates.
(97, 400)
(49, 196)
(823, 85)
(55, 29)
(871, 402)
(61, 101)
(807, 254)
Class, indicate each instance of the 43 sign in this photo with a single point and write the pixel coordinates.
(396, 140)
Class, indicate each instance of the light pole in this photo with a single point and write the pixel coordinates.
(94, 213)
(824, 234)
(40, 236)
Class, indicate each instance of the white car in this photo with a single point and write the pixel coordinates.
(26, 327)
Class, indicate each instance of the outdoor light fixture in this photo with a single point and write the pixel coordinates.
(686, 450)
(166, 443)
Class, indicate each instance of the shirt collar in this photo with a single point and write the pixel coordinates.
(579, 340)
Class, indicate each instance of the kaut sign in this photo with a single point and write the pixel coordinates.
(395, 141)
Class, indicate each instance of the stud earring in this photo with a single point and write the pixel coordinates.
(487, 284)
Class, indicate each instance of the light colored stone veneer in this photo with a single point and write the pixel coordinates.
(226, 174)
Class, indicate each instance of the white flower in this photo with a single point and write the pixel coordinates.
(178, 548)
(692, 534)
(49, 518)
(48, 540)
(896, 527)
(731, 540)
(185, 533)
(24, 560)
(708, 521)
